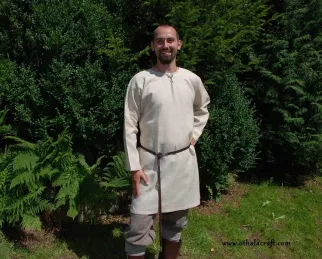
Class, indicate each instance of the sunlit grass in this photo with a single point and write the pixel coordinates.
(266, 213)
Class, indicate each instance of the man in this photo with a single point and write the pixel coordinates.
(168, 105)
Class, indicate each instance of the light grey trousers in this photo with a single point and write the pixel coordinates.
(140, 233)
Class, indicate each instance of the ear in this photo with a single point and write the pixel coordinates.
(152, 45)
(179, 44)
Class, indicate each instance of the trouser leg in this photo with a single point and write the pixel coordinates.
(139, 234)
(173, 224)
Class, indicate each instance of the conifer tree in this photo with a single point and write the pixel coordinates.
(286, 85)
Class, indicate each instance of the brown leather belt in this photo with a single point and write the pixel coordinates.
(159, 156)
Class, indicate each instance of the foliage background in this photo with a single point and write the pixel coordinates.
(65, 66)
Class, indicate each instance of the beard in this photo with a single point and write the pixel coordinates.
(164, 59)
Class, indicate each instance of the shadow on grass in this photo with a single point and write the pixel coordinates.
(96, 241)
(13, 234)
(102, 241)
(278, 174)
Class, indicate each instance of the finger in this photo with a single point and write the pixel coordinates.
(145, 179)
(137, 189)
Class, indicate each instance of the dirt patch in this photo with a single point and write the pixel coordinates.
(123, 219)
(232, 197)
(254, 236)
(316, 182)
(32, 239)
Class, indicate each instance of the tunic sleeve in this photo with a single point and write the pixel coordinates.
(131, 120)
(200, 110)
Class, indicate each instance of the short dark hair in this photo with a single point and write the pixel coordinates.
(164, 25)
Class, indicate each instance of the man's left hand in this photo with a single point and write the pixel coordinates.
(193, 142)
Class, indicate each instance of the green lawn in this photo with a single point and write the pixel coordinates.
(259, 213)
(267, 212)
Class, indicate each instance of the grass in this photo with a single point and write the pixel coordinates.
(262, 213)
(266, 212)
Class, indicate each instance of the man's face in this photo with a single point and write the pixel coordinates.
(166, 44)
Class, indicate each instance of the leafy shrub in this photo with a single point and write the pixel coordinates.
(230, 138)
(70, 71)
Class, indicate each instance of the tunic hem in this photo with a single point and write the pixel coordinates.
(165, 211)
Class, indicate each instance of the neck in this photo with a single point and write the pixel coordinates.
(167, 68)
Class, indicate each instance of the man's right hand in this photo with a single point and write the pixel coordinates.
(136, 179)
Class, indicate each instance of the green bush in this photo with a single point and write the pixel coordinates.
(230, 138)
(73, 74)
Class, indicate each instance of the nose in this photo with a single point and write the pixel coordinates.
(165, 44)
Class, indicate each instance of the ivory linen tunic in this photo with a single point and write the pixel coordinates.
(168, 112)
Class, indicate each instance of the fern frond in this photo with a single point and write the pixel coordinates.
(18, 207)
(116, 168)
(3, 178)
(84, 166)
(67, 192)
(47, 171)
(69, 176)
(64, 160)
(48, 157)
(25, 160)
(17, 203)
(116, 183)
(38, 204)
(72, 211)
(98, 162)
(22, 143)
(116, 175)
(22, 178)
(64, 141)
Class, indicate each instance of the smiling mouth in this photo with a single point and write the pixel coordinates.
(166, 53)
